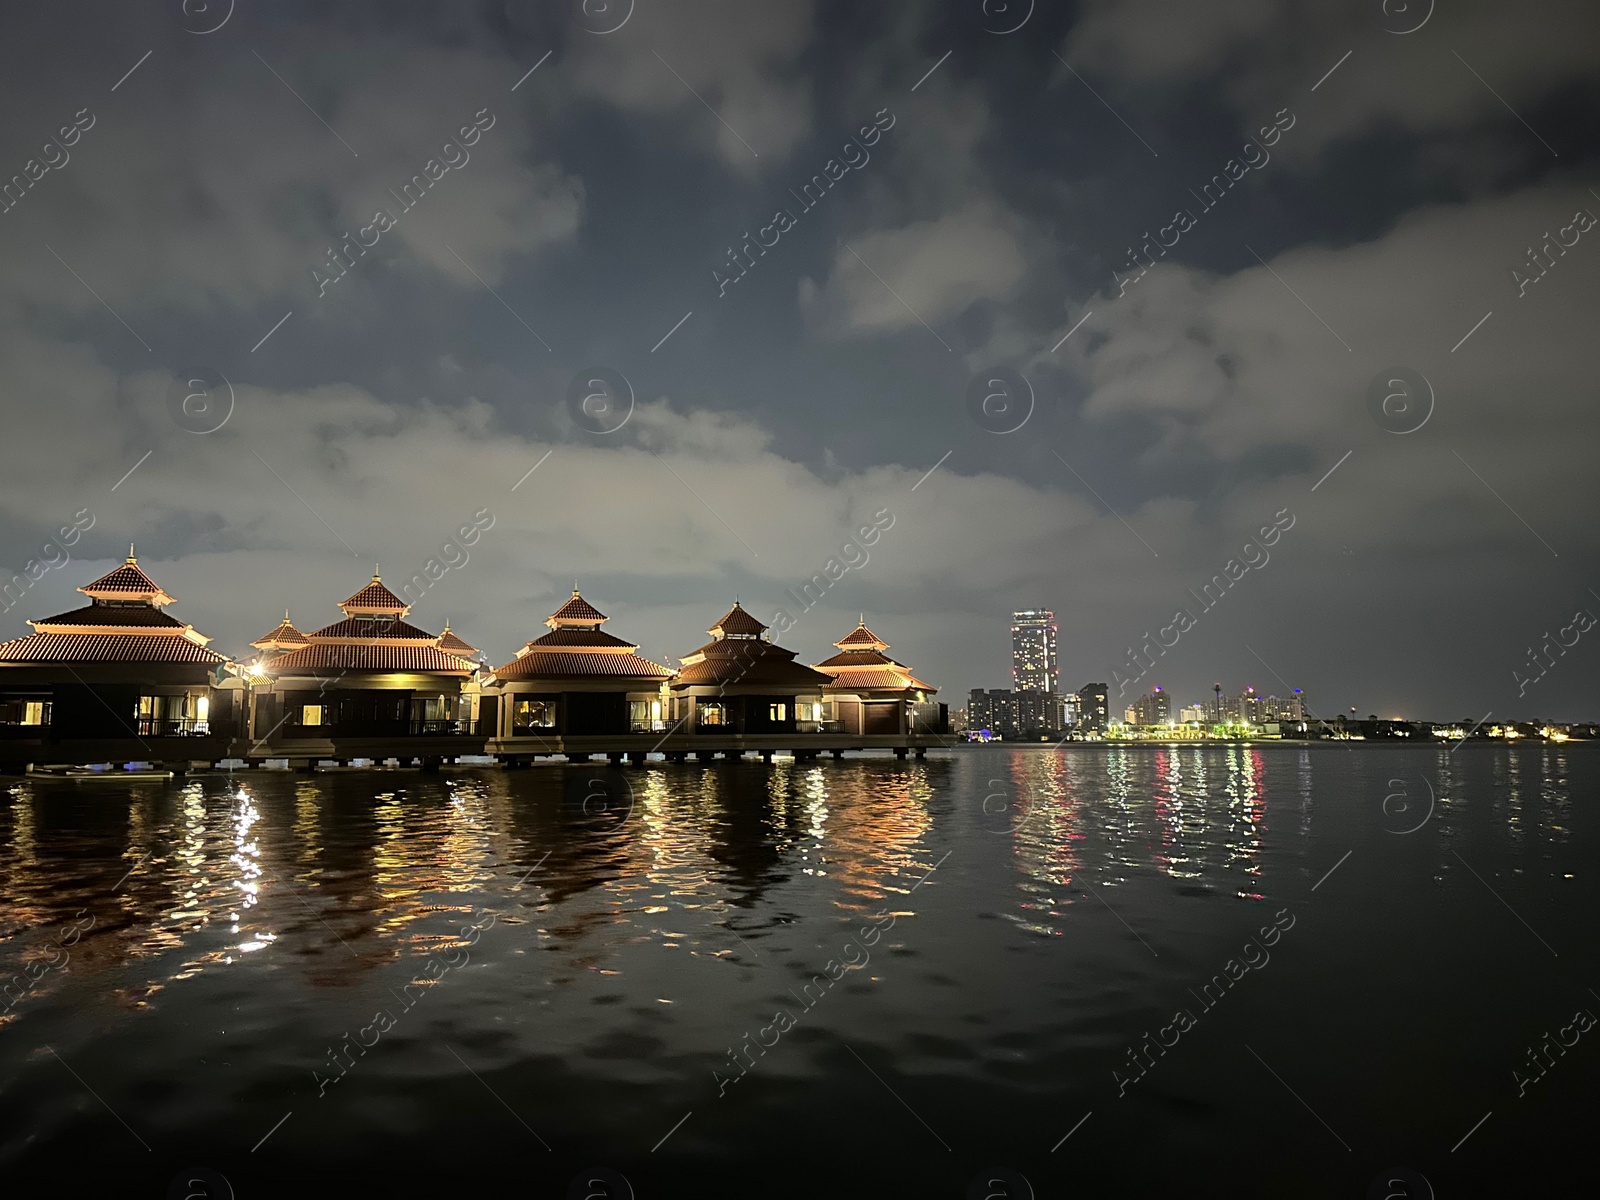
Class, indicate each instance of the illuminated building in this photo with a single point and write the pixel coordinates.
(1094, 706)
(872, 693)
(994, 710)
(1153, 708)
(368, 686)
(741, 683)
(1033, 651)
(577, 680)
(118, 679)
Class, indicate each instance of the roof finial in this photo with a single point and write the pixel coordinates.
(130, 553)
(286, 616)
(447, 624)
(861, 621)
(375, 578)
(574, 586)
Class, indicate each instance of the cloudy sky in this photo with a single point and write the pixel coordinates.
(1199, 238)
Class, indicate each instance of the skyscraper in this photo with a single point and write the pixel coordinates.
(1033, 651)
(1093, 706)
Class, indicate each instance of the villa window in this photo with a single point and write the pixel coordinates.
(24, 712)
(713, 712)
(644, 716)
(534, 714)
(777, 712)
(311, 714)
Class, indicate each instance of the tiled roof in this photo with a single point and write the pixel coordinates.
(119, 615)
(861, 636)
(449, 641)
(575, 611)
(384, 627)
(125, 582)
(559, 664)
(746, 662)
(284, 635)
(105, 648)
(375, 598)
(737, 622)
(377, 656)
(858, 658)
(867, 678)
(588, 638)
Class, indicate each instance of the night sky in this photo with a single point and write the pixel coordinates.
(1204, 237)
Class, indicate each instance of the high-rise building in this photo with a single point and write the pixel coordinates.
(1071, 710)
(994, 710)
(1033, 651)
(1039, 713)
(1289, 708)
(1153, 708)
(1093, 706)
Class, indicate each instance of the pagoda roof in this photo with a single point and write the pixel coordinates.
(454, 644)
(375, 598)
(888, 675)
(284, 635)
(736, 622)
(111, 616)
(580, 664)
(367, 629)
(369, 656)
(127, 582)
(576, 611)
(860, 637)
(862, 665)
(746, 661)
(580, 639)
(106, 648)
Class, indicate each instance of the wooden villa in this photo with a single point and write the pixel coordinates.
(368, 686)
(118, 680)
(740, 684)
(574, 683)
(870, 693)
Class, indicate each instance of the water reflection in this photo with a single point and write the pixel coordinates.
(255, 921)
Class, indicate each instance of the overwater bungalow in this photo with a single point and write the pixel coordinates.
(368, 686)
(741, 684)
(870, 693)
(576, 681)
(117, 680)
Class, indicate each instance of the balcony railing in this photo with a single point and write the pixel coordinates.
(173, 727)
(441, 727)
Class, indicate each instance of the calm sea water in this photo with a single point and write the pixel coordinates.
(1206, 970)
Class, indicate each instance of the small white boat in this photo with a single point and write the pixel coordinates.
(107, 774)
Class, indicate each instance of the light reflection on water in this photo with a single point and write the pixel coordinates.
(244, 925)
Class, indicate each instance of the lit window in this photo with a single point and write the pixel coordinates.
(536, 714)
(311, 714)
(713, 713)
(645, 715)
(33, 712)
(777, 712)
